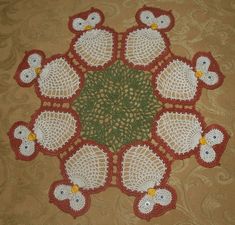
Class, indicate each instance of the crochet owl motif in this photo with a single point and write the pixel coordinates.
(140, 168)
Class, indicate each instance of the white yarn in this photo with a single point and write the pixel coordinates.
(143, 46)
(141, 168)
(95, 47)
(88, 167)
(54, 129)
(177, 81)
(181, 131)
(58, 79)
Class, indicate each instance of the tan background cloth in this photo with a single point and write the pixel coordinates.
(205, 196)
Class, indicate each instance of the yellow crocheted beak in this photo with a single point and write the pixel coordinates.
(88, 27)
(32, 137)
(198, 74)
(38, 70)
(75, 188)
(152, 192)
(203, 141)
(154, 26)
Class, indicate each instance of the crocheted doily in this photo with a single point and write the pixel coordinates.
(117, 109)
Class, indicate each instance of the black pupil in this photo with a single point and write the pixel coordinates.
(77, 200)
(204, 62)
(209, 77)
(26, 147)
(20, 132)
(214, 137)
(62, 192)
(147, 17)
(161, 197)
(93, 18)
(27, 76)
(34, 60)
(80, 23)
(161, 21)
(207, 152)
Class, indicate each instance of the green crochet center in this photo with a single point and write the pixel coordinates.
(116, 106)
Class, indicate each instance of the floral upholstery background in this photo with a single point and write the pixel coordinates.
(205, 196)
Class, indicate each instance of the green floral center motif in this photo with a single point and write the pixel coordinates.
(116, 106)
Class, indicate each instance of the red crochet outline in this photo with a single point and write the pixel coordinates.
(24, 64)
(219, 148)
(138, 195)
(213, 67)
(64, 205)
(16, 142)
(140, 25)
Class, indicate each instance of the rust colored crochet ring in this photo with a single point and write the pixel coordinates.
(118, 100)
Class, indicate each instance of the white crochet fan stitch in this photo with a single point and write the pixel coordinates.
(143, 46)
(95, 47)
(54, 129)
(177, 81)
(142, 169)
(88, 167)
(58, 79)
(181, 131)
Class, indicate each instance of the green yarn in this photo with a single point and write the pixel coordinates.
(116, 106)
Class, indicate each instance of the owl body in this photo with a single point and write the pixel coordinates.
(55, 78)
(94, 45)
(143, 172)
(180, 81)
(183, 133)
(143, 46)
(50, 131)
(95, 48)
(86, 170)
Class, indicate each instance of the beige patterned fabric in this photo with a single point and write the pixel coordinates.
(205, 196)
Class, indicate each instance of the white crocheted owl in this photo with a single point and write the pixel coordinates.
(183, 133)
(180, 81)
(86, 170)
(49, 131)
(94, 46)
(55, 78)
(143, 172)
(145, 44)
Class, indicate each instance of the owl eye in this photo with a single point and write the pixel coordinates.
(214, 137)
(78, 24)
(210, 78)
(146, 204)
(203, 63)
(77, 201)
(147, 17)
(163, 21)
(207, 153)
(163, 197)
(27, 148)
(27, 75)
(61, 192)
(34, 60)
(21, 132)
(94, 18)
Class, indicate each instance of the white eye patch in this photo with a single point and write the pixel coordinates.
(210, 78)
(147, 17)
(203, 63)
(163, 197)
(78, 24)
(214, 137)
(146, 204)
(62, 192)
(27, 75)
(27, 148)
(93, 19)
(207, 153)
(34, 60)
(77, 201)
(163, 21)
(21, 132)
